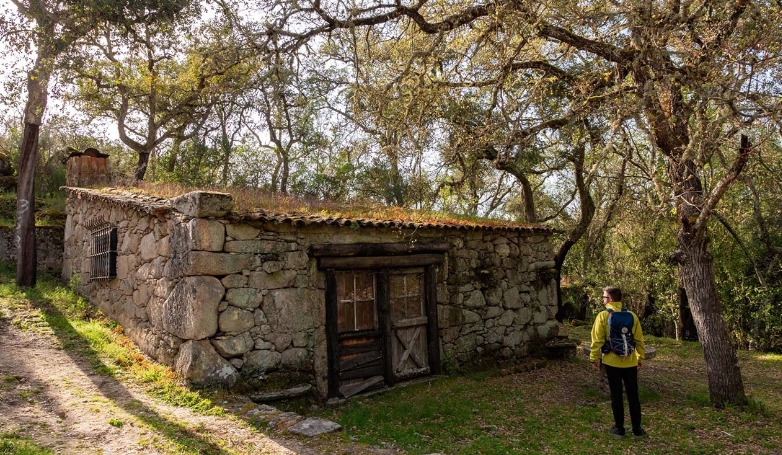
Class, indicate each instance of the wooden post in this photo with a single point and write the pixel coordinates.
(332, 333)
(432, 328)
(382, 293)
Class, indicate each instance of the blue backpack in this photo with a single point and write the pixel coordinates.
(620, 333)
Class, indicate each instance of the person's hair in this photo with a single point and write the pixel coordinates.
(614, 292)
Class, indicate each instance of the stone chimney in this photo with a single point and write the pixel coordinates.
(87, 169)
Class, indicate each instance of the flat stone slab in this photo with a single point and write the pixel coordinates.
(293, 392)
(314, 426)
(284, 421)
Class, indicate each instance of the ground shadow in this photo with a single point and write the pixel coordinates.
(86, 358)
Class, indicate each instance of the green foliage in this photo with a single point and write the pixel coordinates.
(190, 163)
(116, 423)
(754, 313)
(749, 270)
(635, 258)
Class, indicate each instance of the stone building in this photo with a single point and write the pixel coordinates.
(345, 305)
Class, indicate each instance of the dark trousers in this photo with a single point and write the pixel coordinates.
(616, 376)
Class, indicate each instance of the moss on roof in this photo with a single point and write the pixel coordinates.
(255, 204)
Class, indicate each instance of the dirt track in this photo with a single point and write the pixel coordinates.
(55, 398)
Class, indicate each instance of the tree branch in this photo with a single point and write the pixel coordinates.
(719, 189)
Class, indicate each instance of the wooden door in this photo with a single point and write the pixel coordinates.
(360, 349)
(409, 323)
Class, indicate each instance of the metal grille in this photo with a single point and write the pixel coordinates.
(103, 251)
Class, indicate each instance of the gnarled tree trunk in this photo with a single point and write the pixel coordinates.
(697, 273)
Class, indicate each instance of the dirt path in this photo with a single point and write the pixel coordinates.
(55, 398)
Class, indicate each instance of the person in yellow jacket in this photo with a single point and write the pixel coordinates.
(619, 369)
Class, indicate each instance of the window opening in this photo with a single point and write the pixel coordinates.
(407, 294)
(356, 301)
(103, 251)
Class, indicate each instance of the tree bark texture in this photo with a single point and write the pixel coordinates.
(722, 368)
(696, 266)
(26, 260)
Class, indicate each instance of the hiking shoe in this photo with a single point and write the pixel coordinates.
(640, 432)
(617, 432)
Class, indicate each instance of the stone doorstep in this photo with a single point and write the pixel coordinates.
(285, 394)
(285, 421)
(561, 347)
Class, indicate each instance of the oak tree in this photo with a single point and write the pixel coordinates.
(698, 77)
(53, 27)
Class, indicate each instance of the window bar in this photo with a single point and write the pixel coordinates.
(103, 251)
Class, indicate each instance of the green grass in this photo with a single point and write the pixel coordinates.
(51, 307)
(561, 408)
(13, 444)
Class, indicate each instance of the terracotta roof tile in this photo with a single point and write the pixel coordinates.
(306, 220)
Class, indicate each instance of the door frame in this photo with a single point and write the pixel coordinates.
(348, 257)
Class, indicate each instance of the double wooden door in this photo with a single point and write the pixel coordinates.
(386, 328)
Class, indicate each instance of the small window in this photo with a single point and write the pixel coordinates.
(407, 294)
(356, 301)
(103, 254)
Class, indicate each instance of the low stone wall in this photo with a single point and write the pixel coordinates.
(224, 298)
(49, 247)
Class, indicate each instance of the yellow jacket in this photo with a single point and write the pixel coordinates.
(600, 335)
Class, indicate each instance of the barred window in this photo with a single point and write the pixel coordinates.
(103, 254)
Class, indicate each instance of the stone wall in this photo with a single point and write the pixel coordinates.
(49, 247)
(225, 298)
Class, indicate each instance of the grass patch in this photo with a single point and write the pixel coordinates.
(13, 444)
(116, 423)
(53, 309)
(561, 408)
(49, 210)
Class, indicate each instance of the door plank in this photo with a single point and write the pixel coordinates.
(361, 359)
(349, 390)
(359, 348)
(404, 323)
(409, 346)
(362, 371)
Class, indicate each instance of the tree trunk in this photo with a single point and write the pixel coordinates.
(696, 265)
(37, 97)
(141, 166)
(722, 368)
(587, 213)
(26, 255)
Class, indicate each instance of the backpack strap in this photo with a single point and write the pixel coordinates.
(608, 324)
